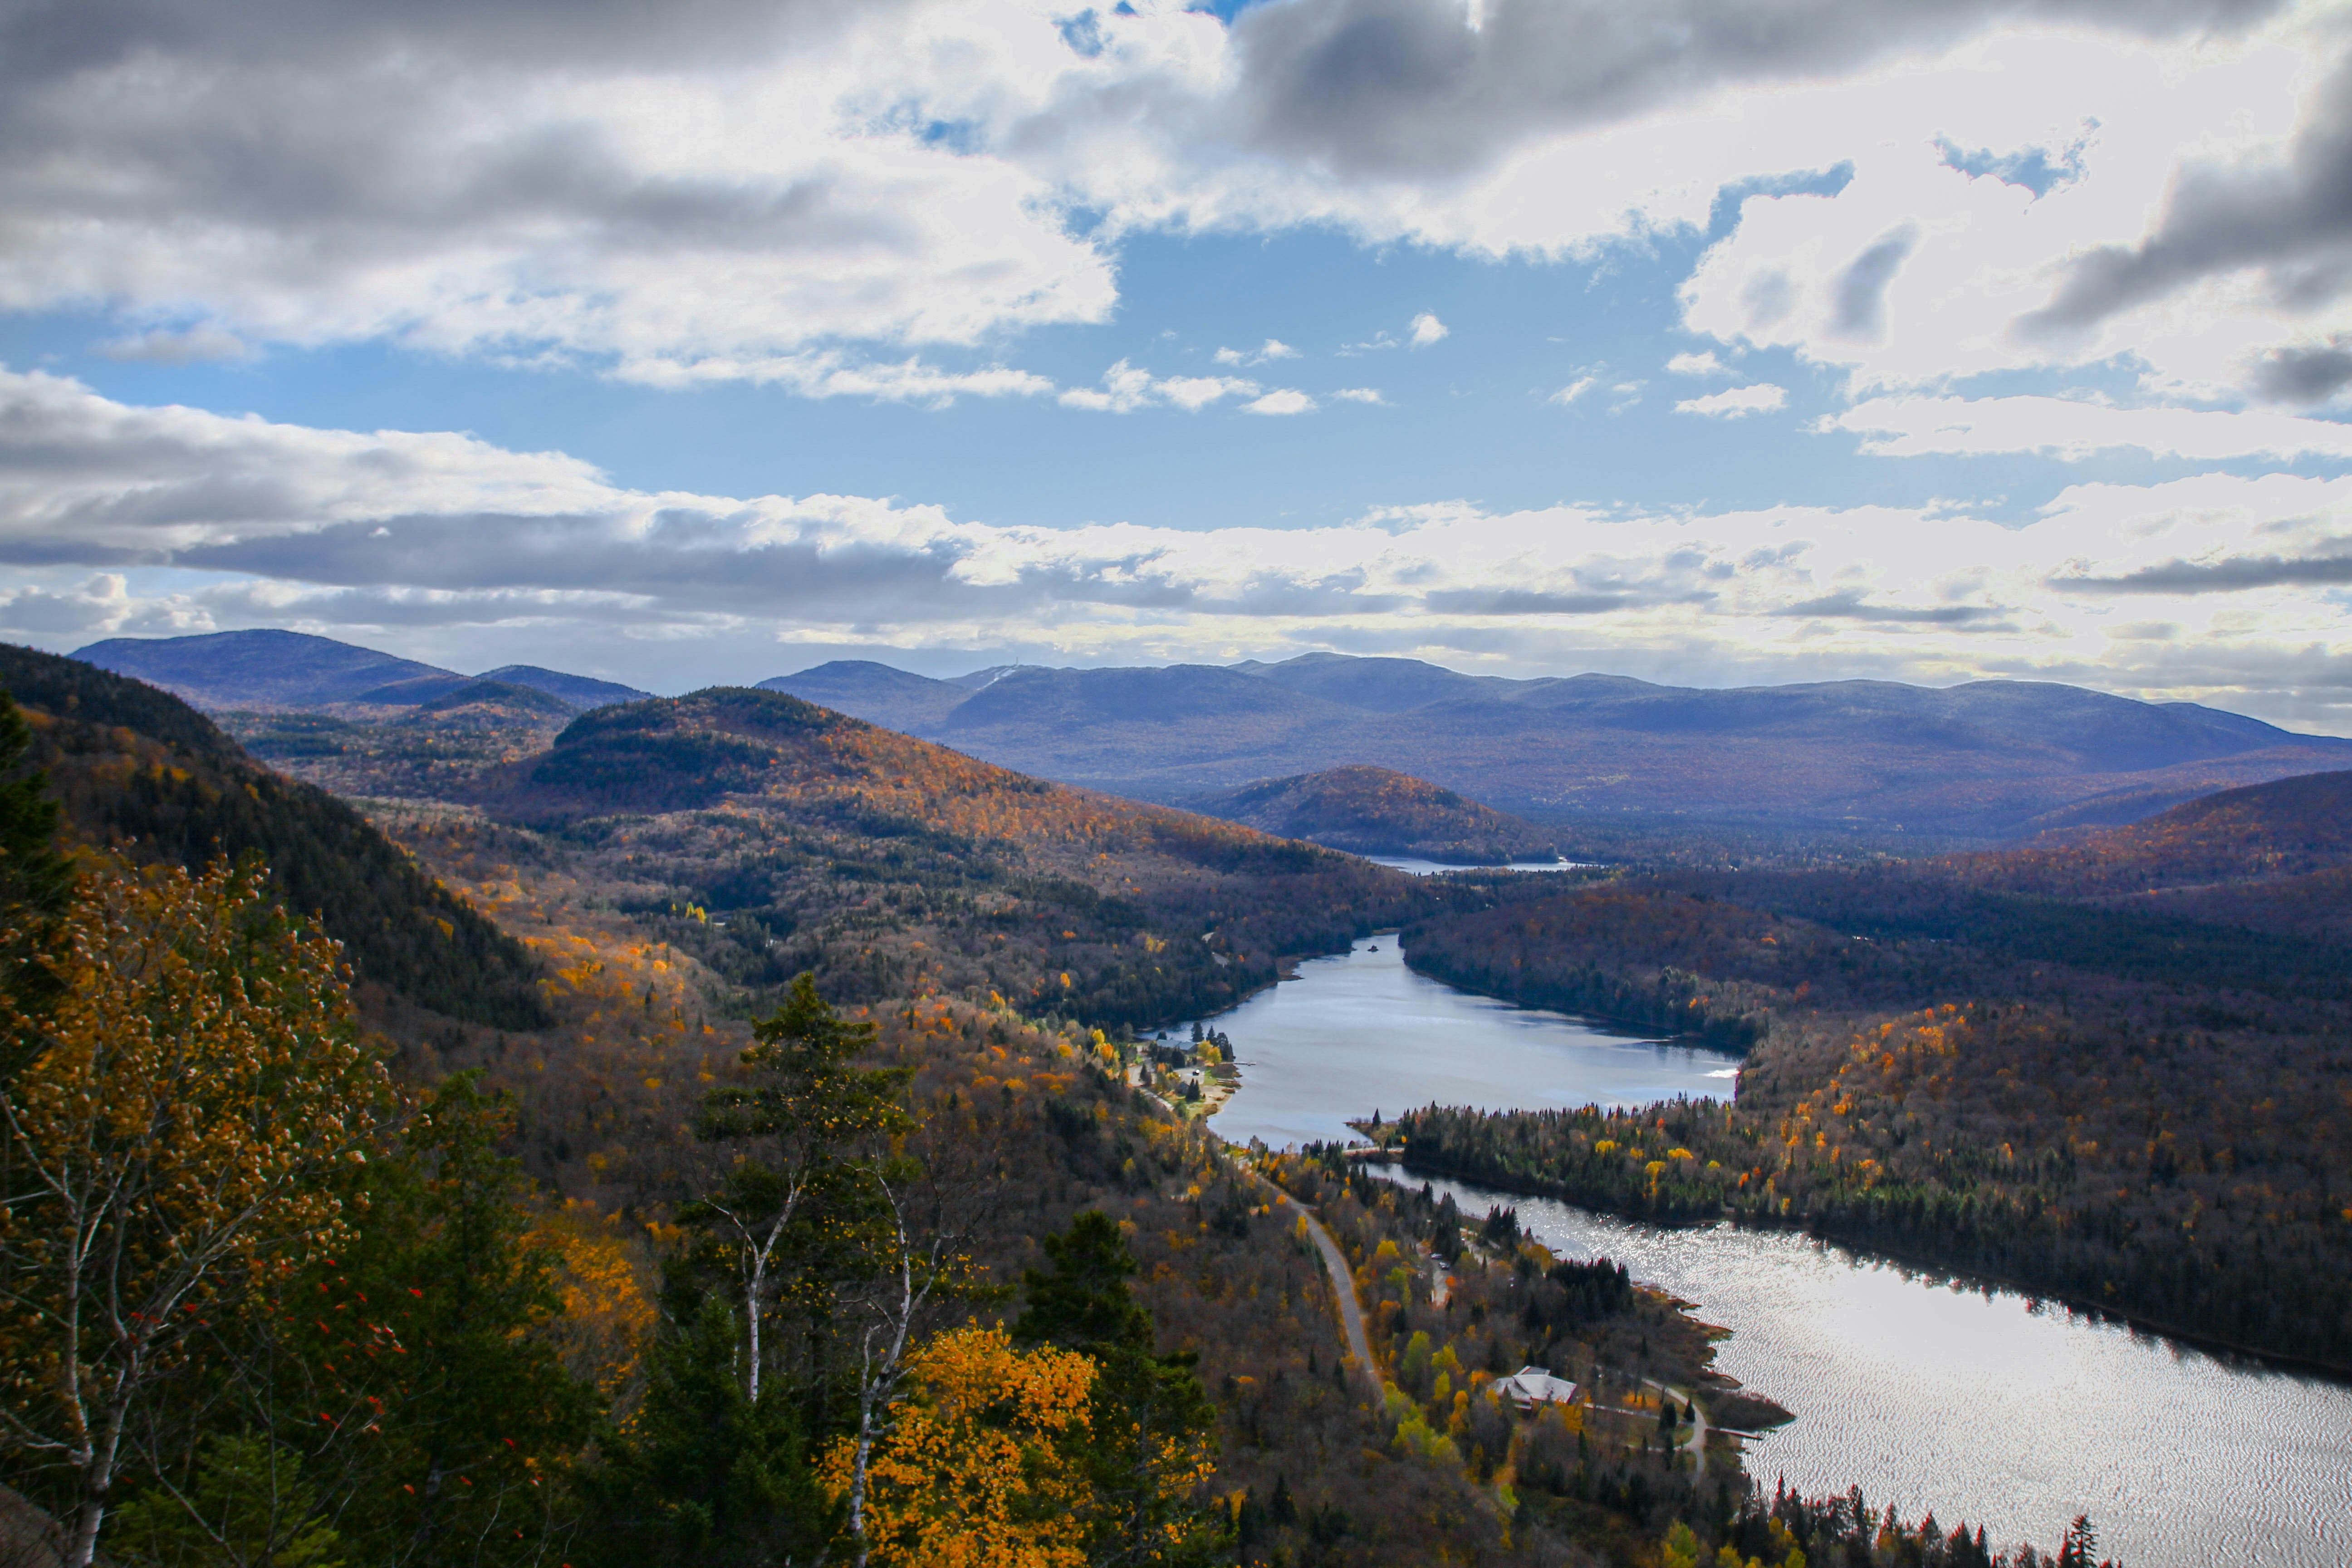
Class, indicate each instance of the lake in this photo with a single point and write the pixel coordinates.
(1975, 1403)
(1412, 867)
(1363, 1033)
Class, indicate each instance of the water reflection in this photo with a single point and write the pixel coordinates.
(1971, 1402)
(1984, 1404)
(1363, 1033)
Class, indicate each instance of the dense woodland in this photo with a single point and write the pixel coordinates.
(709, 1260)
(2095, 1100)
(1378, 811)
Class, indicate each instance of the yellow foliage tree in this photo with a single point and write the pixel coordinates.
(970, 1474)
(164, 1134)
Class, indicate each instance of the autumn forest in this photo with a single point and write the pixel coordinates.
(720, 1130)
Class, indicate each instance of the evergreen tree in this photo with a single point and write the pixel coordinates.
(1150, 1436)
(35, 878)
(704, 1475)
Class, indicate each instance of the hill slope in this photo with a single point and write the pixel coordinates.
(775, 835)
(1376, 811)
(1983, 759)
(138, 768)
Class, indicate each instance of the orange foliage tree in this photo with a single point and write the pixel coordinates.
(971, 1473)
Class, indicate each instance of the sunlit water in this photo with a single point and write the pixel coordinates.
(1974, 1402)
(1412, 867)
(1363, 1033)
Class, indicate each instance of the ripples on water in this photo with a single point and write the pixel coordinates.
(1975, 1404)
(1979, 1405)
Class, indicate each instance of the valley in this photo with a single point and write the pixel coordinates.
(2060, 1065)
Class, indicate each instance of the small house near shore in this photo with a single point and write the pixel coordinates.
(1532, 1387)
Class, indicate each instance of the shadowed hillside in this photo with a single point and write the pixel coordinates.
(1376, 811)
(138, 768)
(2274, 857)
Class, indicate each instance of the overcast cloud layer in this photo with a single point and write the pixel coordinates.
(2076, 230)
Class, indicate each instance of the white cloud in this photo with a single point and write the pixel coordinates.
(1736, 404)
(1426, 330)
(1360, 394)
(1126, 388)
(2064, 427)
(719, 189)
(1699, 364)
(1284, 400)
(1271, 350)
(832, 373)
(1574, 390)
(1932, 263)
(157, 519)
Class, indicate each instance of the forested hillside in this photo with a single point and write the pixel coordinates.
(766, 835)
(2138, 1111)
(700, 1265)
(139, 769)
(1378, 811)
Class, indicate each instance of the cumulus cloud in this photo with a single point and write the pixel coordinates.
(1737, 403)
(1126, 388)
(2289, 215)
(1287, 400)
(719, 190)
(1360, 394)
(1574, 390)
(1272, 349)
(1917, 265)
(1426, 328)
(122, 519)
(1699, 364)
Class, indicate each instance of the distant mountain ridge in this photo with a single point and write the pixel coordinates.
(273, 669)
(1984, 759)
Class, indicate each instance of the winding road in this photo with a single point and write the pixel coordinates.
(1343, 1287)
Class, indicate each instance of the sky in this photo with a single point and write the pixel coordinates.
(1711, 341)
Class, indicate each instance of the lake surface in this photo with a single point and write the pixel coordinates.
(1363, 1033)
(1411, 867)
(1978, 1404)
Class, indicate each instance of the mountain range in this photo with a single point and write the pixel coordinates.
(1988, 758)
(282, 669)
(1984, 761)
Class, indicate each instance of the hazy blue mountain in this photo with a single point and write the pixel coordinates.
(1986, 758)
(271, 668)
(876, 693)
(582, 691)
(263, 668)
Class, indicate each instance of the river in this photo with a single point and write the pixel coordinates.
(1978, 1403)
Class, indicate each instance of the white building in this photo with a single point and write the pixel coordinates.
(1532, 1386)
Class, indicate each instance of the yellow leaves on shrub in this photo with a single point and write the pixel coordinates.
(970, 1475)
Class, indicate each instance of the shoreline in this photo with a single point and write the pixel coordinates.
(1874, 1252)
